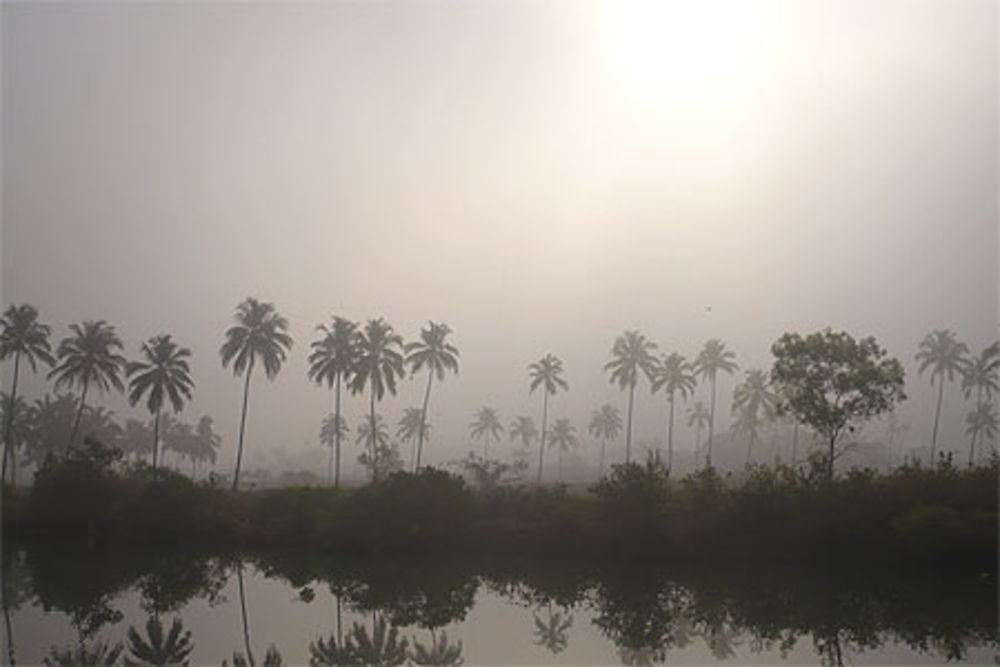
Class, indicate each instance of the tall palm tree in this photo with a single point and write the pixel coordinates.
(714, 357)
(983, 377)
(21, 335)
(486, 427)
(164, 374)
(946, 356)
(381, 433)
(379, 363)
(332, 360)
(20, 414)
(981, 423)
(631, 353)
(206, 443)
(88, 358)
(523, 428)
(333, 428)
(412, 428)
(606, 425)
(754, 402)
(673, 374)
(699, 417)
(563, 439)
(260, 333)
(435, 352)
(547, 373)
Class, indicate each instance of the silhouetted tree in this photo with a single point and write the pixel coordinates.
(486, 427)
(830, 381)
(137, 438)
(699, 417)
(88, 358)
(164, 374)
(21, 335)
(631, 353)
(332, 360)
(18, 414)
(981, 423)
(379, 363)
(551, 633)
(547, 373)
(754, 403)
(157, 648)
(674, 375)
(381, 434)
(333, 428)
(440, 652)
(412, 428)
(382, 648)
(945, 356)
(982, 376)
(563, 438)
(260, 333)
(714, 357)
(206, 443)
(606, 425)
(97, 653)
(435, 352)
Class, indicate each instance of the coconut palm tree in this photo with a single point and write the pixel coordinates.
(412, 428)
(523, 428)
(21, 335)
(438, 355)
(379, 364)
(486, 427)
(164, 374)
(172, 648)
(699, 417)
(551, 633)
(605, 425)
(332, 361)
(982, 377)
(440, 652)
(88, 358)
(981, 423)
(631, 353)
(754, 403)
(206, 443)
(563, 438)
(673, 375)
(381, 437)
(382, 648)
(260, 333)
(547, 373)
(714, 357)
(19, 414)
(333, 428)
(946, 356)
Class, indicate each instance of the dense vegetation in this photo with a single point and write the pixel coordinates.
(912, 515)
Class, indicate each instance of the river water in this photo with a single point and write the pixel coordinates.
(498, 611)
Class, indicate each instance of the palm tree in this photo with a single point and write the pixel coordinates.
(486, 427)
(19, 414)
(412, 428)
(945, 356)
(699, 417)
(983, 377)
(87, 358)
(206, 443)
(164, 374)
(546, 372)
(551, 633)
(982, 422)
(631, 353)
(21, 335)
(440, 653)
(433, 351)
(563, 439)
(674, 374)
(332, 360)
(379, 363)
(331, 653)
(381, 436)
(606, 425)
(714, 357)
(260, 332)
(523, 428)
(754, 402)
(170, 649)
(382, 648)
(333, 428)
(98, 653)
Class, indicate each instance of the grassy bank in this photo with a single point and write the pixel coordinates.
(915, 515)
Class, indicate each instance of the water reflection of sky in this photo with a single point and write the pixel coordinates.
(496, 630)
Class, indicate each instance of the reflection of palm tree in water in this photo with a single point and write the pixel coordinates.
(157, 648)
(642, 657)
(382, 647)
(440, 653)
(243, 613)
(552, 633)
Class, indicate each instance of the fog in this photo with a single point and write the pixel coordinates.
(539, 176)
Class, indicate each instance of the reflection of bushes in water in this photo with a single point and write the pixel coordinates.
(912, 514)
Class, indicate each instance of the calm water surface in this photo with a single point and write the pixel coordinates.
(502, 612)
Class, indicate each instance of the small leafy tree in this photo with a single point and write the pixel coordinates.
(831, 381)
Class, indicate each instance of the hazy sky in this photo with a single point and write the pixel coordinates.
(540, 175)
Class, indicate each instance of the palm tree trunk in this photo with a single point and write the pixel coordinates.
(541, 443)
(156, 438)
(628, 431)
(79, 414)
(937, 416)
(340, 632)
(243, 611)
(243, 421)
(972, 440)
(711, 426)
(670, 437)
(795, 444)
(336, 431)
(7, 625)
(8, 427)
(829, 472)
(753, 436)
(423, 417)
(374, 449)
